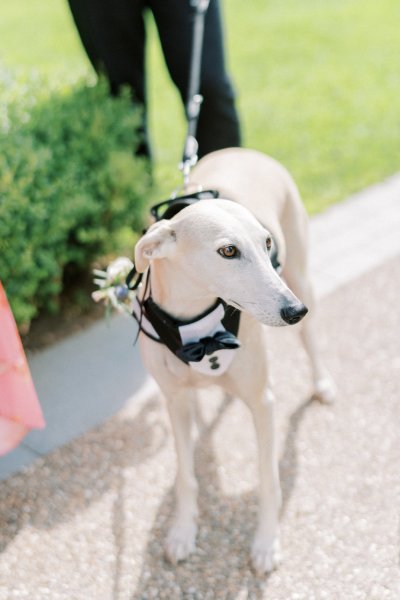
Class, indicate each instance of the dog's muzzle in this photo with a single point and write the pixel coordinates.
(293, 313)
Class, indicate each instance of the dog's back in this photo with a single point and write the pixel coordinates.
(260, 183)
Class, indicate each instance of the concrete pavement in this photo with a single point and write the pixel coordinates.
(87, 519)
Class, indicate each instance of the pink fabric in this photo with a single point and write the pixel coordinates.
(19, 406)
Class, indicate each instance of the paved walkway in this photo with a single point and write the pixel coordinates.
(87, 520)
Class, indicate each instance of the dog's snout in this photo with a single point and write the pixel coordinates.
(293, 313)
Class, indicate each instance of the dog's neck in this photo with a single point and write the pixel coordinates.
(198, 328)
(177, 295)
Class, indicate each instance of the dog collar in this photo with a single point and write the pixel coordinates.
(206, 343)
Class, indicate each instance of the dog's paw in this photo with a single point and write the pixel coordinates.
(324, 391)
(265, 555)
(181, 541)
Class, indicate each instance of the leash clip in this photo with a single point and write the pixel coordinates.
(189, 159)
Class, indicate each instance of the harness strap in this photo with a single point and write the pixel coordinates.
(165, 325)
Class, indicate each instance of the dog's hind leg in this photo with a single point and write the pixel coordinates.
(296, 275)
(323, 387)
(181, 539)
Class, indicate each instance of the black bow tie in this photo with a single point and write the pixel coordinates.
(195, 352)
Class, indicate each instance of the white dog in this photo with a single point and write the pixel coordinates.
(211, 256)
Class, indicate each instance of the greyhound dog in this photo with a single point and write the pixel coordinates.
(213, 257)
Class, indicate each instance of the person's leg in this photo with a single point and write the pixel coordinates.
(113, 36)
(218, 125)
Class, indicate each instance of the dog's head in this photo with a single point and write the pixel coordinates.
(222, 249)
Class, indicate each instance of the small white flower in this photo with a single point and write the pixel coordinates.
(113, 289)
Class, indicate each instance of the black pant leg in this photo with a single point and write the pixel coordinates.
(113, 35)
(218, 125)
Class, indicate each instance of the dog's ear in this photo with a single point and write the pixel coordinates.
(157, 242)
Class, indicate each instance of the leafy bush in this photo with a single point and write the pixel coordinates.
(69, 184)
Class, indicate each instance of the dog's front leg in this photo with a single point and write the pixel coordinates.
(181, 539)
(265, 552)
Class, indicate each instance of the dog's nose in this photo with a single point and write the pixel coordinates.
(293, 313)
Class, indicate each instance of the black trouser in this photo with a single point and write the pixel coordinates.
(113, 34)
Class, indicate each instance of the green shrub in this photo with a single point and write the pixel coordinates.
(69, 184)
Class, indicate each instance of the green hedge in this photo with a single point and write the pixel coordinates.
(69, 185)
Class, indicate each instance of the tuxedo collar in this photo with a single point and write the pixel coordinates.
(206, 342)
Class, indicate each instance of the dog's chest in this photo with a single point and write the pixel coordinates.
(219, 361)
(201, 342)
(187, 377)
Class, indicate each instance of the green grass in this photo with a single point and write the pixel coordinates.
(318, 84)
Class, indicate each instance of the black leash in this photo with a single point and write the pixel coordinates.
(168, 208)
(194, 99)
(166, 327)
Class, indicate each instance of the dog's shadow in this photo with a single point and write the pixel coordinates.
(96, 464)
(220, 567)
(73, 477)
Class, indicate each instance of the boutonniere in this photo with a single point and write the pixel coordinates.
(113, 289)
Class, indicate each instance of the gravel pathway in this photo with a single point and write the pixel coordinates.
(87, 522)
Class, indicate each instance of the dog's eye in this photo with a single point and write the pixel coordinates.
(229, 252)
(268, 243)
